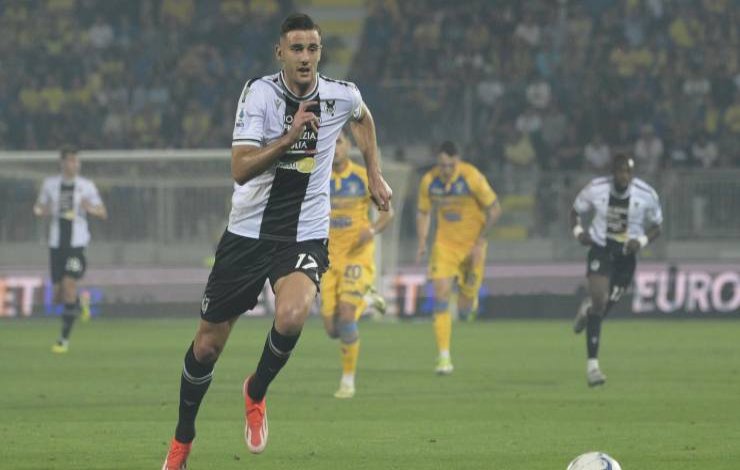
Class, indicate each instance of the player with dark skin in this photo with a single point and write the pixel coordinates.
(598, 284)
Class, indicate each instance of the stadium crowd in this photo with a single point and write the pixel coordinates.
(545, 84)
(134, 74)
(560, 85)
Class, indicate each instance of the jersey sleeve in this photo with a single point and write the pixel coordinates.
(92, 195)
(424, 204)
(654, 214)
(583, 202)
(481, 189)
(251, 111)
(356, 102)
(44, 198)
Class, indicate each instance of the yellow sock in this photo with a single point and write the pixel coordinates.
(443, 330)
(349, 353)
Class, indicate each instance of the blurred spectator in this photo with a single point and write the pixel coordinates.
(648, 150)
(597, 155)
(704, 151)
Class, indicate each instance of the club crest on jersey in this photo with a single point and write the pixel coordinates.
(329, 106)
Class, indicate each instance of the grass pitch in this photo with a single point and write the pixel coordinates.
(517, 400)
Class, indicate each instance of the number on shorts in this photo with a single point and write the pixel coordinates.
(310, 262)
(353, 271)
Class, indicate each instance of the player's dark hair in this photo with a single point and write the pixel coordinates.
(449, 148)
(66, 151)
(298, 22)
(622, 159)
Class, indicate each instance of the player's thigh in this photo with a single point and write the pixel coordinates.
(622, 275)
(445, 262)
(442, 288)
(210, 339)
(471, 279)
(236, 280)
(357, 277)
(294, 295)
(68, 288)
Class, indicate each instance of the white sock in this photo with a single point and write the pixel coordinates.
(348, 380)
(592, 364)
(444, 354)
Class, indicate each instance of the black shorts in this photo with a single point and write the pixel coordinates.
(244, 264)
(70, 262)
(611, 262)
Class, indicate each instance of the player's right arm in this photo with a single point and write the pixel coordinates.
(249, 158)
(581, 205)
(423, 217)
(42, 207)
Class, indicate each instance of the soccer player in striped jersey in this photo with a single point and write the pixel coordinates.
(626, 217)
(466, 208)
(352, 252)
(285, 131)
(67, 199)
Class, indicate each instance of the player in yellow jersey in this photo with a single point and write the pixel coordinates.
(352, 256)
(466, 208)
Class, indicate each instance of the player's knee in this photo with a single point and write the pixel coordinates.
(289, 318)
(346, 312)
(348, 331)
(207, 353)
(598, 305)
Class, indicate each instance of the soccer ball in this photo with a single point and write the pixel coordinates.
(594, 461)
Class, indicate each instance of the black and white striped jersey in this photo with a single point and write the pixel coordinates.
(618, 217)
(289, 201)
(68, 227)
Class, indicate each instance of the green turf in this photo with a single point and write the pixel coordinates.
(517, 400)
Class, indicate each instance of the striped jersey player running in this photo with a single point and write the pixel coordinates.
(626, 217)
(285, 131)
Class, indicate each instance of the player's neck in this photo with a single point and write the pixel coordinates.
(340, 167)
(68, 178)
(298, 89)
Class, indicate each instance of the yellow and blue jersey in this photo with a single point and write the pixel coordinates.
(460, 204)
(350, 208)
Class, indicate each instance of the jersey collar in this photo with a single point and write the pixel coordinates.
(295, 97)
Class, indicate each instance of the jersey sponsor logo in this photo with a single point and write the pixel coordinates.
(452, 216)
(341, 222)
(302, 165)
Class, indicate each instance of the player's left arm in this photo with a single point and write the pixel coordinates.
(363, 131)
(488, 200)
(654, 220)
(380, 224)
(93, 204)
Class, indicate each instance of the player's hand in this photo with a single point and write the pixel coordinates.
(380, 191)
(421, 252)
(365, 237)
(632, 246)
(40, 210)
(303, 119)
(585, 239)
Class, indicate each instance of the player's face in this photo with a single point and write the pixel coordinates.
(341, 152)
(299, 53)
(622, 176)
(447, 165)
(71, 165)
